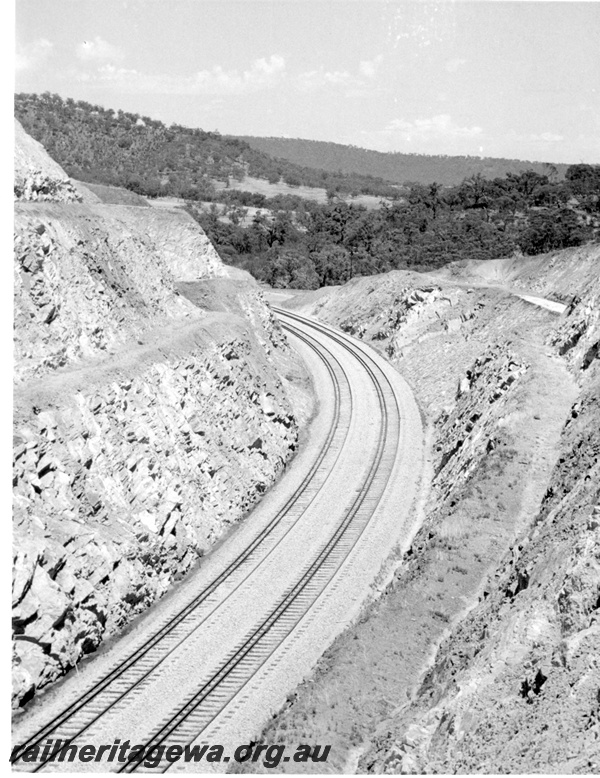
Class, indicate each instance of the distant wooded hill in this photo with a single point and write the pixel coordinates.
(396, 167)
(102, 146)
(302, 243)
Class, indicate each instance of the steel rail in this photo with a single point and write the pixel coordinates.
(190, 720)
(52, 728)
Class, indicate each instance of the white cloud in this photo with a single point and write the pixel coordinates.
(262, 74)
(98, 50)
(31, 55)
(355, 84)
(436, 135)
(312, 80)
(369, 67)
(440, 126)
(275, 64)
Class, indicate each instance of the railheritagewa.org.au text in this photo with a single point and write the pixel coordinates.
(155, 755)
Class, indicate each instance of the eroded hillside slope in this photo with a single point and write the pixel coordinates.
(155, 399)
(481, 653)
(516, 687)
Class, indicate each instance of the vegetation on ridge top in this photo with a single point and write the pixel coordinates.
(102, 146)
(394, 166)
(293, 242)
(318, 245)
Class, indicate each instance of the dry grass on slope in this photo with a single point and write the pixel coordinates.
(479, 364)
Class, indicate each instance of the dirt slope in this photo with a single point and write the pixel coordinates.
(481, 653)
(516, 687)
(560, 275)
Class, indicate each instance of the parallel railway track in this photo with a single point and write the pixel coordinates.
(217, 690)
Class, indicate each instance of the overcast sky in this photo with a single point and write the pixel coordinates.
(510, 79)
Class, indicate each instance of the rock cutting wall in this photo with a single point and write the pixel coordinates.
(119, 491)
(516, 686)
(98, 276)
(481, 654)
(150, 415)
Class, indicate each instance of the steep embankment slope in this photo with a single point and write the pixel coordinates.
(515, 688)
(481, 654)
(559, 275)
(149, 412)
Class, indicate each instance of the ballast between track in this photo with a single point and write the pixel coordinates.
(246, 659)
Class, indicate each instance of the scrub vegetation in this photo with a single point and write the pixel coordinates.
(293, 241)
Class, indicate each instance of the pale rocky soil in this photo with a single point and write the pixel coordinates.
(156, 399)
(38, 177)
(481, 654)
(558, 276)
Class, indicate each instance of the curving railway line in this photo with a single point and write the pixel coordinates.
(278, 589)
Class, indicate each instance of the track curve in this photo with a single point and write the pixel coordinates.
(213, 692)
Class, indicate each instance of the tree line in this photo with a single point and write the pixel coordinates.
(400, 168)
(101, 146)
(303, 244)
(299, 243)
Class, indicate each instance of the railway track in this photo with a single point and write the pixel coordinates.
(131, 673)
(183, 725)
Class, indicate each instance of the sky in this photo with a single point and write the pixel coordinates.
(502, 79)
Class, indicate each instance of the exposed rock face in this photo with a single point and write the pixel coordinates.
(146, 423)
(120, 490)
(516, 686)
(98, 276)
(39, 177)
(471, 429)
(481, 655)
